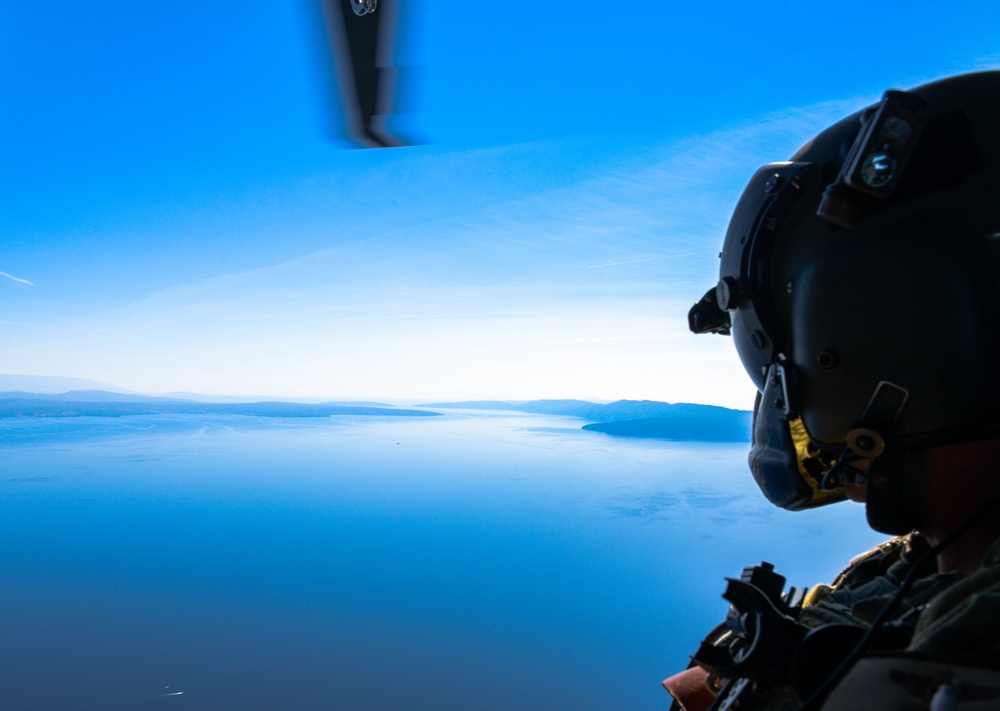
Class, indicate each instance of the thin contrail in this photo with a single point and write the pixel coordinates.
(647, 259)
(17, 279)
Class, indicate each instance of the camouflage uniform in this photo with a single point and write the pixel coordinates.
(952, 661)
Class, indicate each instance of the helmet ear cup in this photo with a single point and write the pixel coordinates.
(772, 457)
(783, 463)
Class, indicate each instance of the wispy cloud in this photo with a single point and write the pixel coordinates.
(647, 259)
(19, 280)
(587, 281)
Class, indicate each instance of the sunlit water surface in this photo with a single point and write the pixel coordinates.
(470, 561)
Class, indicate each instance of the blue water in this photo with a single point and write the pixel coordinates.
(471, 561)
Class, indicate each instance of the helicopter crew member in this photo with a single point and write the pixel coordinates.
(860, 282)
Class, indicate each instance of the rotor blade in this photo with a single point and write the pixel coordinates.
(362, 49)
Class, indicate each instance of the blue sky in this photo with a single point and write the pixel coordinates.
(179, 213)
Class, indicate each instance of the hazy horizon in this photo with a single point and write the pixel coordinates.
(56, 384)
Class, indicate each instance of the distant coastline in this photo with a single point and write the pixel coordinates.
(634, 418)
(100, 403)
(624, 418)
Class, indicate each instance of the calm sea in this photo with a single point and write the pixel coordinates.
(471, 561)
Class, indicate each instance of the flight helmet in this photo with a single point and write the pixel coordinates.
(860, 281)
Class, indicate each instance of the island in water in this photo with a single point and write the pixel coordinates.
(634, 418)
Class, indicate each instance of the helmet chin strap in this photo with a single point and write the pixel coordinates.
(843, 471)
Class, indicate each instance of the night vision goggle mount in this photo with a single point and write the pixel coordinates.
(872, 170)
(877, 160)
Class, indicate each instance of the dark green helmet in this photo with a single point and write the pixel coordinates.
(861, 284)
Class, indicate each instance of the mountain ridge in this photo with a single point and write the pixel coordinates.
(101, 403)
(54, 384)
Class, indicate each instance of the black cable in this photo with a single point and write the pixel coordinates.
(834, 476)
(878, 623)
